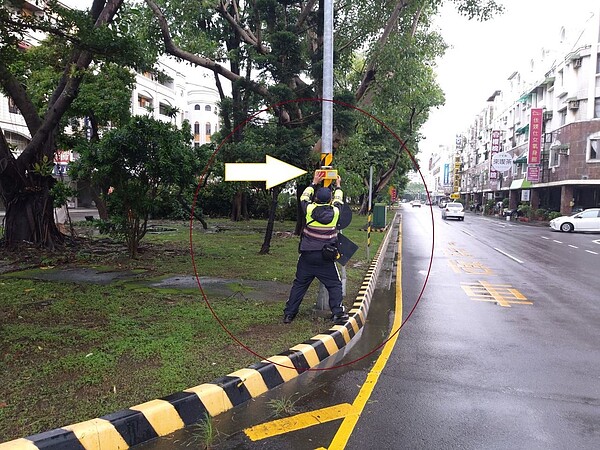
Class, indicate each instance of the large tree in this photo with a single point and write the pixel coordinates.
(85, 37)
(280, 43)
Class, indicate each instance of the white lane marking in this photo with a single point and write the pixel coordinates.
(545, 237)
(510, 256)
(573, 246)
(558, 242)
(597, 241)
(593, 253)
(467, 233)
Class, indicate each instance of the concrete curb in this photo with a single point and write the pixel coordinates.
(160, 417)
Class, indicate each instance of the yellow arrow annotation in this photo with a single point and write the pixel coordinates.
(273, 172)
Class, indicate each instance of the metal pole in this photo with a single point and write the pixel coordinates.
(322, 305)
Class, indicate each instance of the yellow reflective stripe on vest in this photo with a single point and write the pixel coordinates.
(310, 208)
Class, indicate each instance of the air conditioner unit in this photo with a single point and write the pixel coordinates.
(563, 151)
(574, 104)
(548, 115)
(577, 63)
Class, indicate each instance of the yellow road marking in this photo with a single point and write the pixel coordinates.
(502, 294)
(472, 268)
(345, 431)
(298, 422)
(350, 413)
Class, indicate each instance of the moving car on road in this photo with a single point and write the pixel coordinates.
(587, 220)
(416, 203)
(453, 209)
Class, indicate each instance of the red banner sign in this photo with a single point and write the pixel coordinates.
(495, 148)
(535, 136)
(533, 173)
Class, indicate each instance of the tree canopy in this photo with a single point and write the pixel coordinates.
(263, 53)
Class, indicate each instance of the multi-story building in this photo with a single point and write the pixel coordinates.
(562, 87)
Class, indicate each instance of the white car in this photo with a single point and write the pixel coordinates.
(416, 203)
(453, 209)
(587, 220)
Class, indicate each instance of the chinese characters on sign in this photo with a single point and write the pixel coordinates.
(535, 145)
(456, 174)
(533, 173)
(495, 149)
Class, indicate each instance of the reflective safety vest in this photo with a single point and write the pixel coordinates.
(316, 233)
(318, 230)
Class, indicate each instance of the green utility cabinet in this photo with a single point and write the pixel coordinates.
(379, 215)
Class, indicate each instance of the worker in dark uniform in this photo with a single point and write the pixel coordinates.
(322, 216)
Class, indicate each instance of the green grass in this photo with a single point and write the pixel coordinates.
(74, 351)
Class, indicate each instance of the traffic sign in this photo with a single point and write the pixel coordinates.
(455, 196)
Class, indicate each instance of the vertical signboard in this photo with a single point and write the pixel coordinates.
(496, 134)
(457, 164)
(533, 173)
(535, 137)
(446, 174)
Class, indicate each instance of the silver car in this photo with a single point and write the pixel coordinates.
(453, 209)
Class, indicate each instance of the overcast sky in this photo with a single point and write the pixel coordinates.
(484, 55)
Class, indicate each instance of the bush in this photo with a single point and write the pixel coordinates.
(553, 215)
(525, 211)
(541, 214)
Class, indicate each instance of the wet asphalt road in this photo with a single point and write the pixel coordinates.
(502, 351)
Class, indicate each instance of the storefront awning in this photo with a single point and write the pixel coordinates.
(520, 184)
(524, 129)
(521, 160)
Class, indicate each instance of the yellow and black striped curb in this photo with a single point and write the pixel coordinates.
(147, 421)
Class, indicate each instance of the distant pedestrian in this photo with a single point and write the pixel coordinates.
(317, 249)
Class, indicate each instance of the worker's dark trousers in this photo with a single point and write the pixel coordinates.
(311, 265)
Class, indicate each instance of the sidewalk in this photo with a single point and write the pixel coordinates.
(519, 221)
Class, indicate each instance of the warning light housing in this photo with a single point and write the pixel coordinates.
(327, 174)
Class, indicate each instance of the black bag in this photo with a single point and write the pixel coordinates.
(329, 252)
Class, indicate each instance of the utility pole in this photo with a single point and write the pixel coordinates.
(322, 305)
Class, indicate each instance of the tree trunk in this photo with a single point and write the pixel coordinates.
(266, 246)
(236, 206)
(30, 219)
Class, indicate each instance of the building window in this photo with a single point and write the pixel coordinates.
(144, 102)
(12, 107)
(208, 129)
(207, 108)
(165, 110)
(597, 108)
(594, 149)
(197, 131)
(598, 63)
(560, 78)
(563, 116)
(554, 162)
(197, 107)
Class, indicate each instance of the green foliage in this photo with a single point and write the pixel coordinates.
(61, 192)
(553, 215)
(139, 161)
(526, 210)
(43, 168)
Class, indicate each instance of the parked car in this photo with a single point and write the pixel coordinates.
(587, 220)
(416, 203)
(453, 209)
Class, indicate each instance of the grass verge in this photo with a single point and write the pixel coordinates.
(75, 350)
